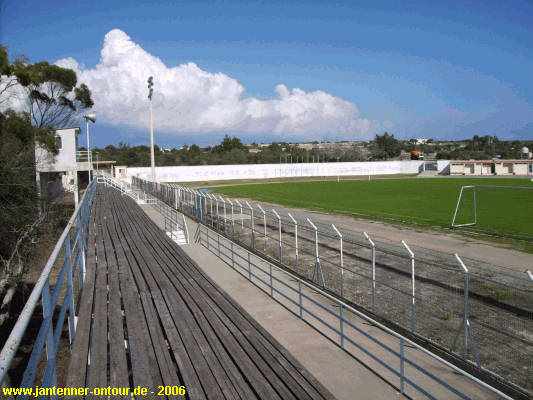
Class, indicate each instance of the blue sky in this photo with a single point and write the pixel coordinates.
(437, 69)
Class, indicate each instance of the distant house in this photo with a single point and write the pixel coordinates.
(421, 140)
(492, 167)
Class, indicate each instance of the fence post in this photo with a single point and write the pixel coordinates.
(80, 228)
(466, 310)
(211, 207)
(48, 312)
(341, 325)
(402, 365)
(249, 267)
(413, 305)
(225, 215)
(264, 226)
(242, 219)
(279, 236)
(232, 219)
(205, 195)
(218, 214)
(70, 292)
(300, 297)
(186, 228)
(373, 269)
(271, 282)
(232, 255)
(252, 223)
(318, 267)
(295, 240)
(342, 260)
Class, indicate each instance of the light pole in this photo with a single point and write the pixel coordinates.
(89, 117)
(152, 157)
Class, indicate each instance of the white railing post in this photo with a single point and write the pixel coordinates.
(218, 214)
(225, 215)
(232, 218)
(530, 275)
(295, 239)
(413, 305)
(252, 224)
(280, 252)
(318, 268)
(206, 213)
(342, 259)
(242, 219)
(466, 311)
(186, 229)
(264, 225)
(211, 209)
(372, 244)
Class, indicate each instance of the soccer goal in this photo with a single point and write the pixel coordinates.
(466, 208)
(502, 210)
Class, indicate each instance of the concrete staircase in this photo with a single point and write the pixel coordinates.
(178, 236)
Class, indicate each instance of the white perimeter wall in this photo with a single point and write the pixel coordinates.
(265, 171)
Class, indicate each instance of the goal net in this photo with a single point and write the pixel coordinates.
(498, 210)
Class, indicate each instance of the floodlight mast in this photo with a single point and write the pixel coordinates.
(89, 117)
(152, 156)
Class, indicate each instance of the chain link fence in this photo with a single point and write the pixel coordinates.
(472, 310)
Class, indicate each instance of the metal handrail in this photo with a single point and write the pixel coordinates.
(314, 288)
(79, 222)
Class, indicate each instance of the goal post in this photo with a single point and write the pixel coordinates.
(497, 210)
(460, 200)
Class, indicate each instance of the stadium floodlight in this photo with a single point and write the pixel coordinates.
(152, 156)
(89, 117)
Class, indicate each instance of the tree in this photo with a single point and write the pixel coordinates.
(8, 82)
(54, 100)
(19, 212)
(228, 144)
(385, 146)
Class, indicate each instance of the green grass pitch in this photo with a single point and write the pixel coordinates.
(426, 202)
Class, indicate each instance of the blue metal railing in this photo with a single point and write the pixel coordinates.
(57, 299)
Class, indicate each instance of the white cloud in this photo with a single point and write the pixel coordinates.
(188, 99)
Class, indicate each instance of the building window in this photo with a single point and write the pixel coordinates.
(59, 143)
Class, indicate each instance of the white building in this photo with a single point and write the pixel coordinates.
(64, 170)
(492, 167)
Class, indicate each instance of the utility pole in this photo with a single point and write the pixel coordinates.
(89, 117)
(152, 156)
